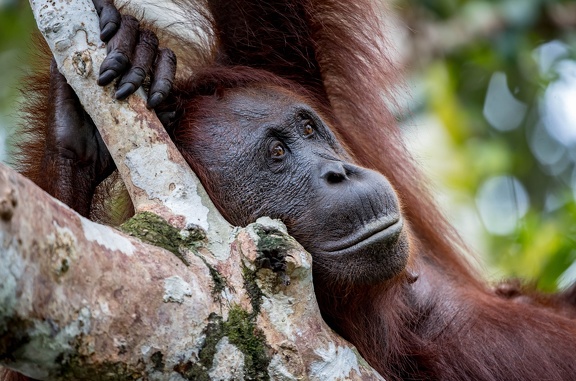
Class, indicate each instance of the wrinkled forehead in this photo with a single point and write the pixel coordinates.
(239, 119)
(236, 123)
(255, 107)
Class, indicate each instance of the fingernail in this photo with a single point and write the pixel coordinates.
(154, 100)
(107, 32)
(124, 91)
(106, 77)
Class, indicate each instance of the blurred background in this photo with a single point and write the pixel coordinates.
(490, 114)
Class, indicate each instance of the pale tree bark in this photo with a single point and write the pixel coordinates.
(79, 300)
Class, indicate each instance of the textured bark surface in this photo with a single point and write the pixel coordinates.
(80, 300)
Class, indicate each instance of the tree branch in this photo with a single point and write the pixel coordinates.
(79, 299)
(157, 177)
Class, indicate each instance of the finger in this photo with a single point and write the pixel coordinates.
(120, 50)
(109, 18)
(59, 87)
(142, 60)
(70, 129)
(163, 78)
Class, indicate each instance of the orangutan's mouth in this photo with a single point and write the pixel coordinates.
(380, 232)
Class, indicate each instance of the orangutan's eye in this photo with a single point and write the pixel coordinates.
(308, 129)
(277, 150)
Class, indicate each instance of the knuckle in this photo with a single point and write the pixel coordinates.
(116, 59)
(136, 76)
(149, 37)
(169, 54)
(162, 85)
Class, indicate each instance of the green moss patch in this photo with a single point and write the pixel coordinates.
(220, 282)
(153, 229)
(273, 246)
(254, 292)
(241, 330)
(77, 367)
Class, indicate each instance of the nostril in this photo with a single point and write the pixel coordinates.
(334, 173)
(335, 177)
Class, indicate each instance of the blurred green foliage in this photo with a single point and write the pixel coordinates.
(460, 49)
(16, 24)
(541, 244)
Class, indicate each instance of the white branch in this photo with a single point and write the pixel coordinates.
(157, 177)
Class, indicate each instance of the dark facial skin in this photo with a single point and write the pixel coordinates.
(264, 152)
